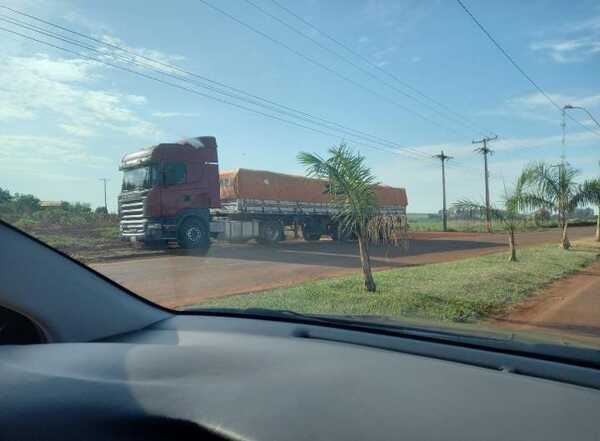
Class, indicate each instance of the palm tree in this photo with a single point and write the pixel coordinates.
(591, 191)
(552, 187)
(509, 216)
(352, 188)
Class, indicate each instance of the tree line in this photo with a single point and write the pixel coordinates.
(25, 210)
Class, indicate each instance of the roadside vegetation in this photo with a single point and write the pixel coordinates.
(70, 227)
(461, 291)
(508, 216)
(351, 185)
(551, 187)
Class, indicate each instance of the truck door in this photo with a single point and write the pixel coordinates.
(177, 192)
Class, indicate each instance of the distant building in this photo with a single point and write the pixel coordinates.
(50, 204)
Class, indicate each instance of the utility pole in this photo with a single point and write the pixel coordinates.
(105, 180)
(443, 157)
(563, 125)
(485, 151)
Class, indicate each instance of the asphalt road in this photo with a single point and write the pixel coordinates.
(178, 278)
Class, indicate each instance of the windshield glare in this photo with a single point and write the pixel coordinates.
(379, 160)
(139, 178)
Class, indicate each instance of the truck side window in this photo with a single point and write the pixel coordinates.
(175, 173)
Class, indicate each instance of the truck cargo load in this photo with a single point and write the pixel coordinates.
(269, 186)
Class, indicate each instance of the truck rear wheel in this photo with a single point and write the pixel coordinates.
(311, 232)
(193, 234)
(271, 232)
(338, 235)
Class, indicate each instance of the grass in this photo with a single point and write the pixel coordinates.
(422, 222)
(461, 291)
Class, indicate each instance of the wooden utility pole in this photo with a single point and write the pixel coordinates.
(485, 151)
(442, 157)
(105, 204)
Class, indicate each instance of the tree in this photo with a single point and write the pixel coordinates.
(509, 216)
(101, 211)
(4, 196)
(352, 188)
(552, 187)
(591, 191)
(541, 216)
(25, 204)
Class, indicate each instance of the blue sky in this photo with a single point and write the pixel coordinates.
(66, 121)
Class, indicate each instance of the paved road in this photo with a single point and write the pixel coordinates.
(568, 309)
(179, 279)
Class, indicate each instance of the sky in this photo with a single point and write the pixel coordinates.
(419, 76)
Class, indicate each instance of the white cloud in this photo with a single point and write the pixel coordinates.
(575, 139)
(136, 99)
(60, 89)
(363, 39)
(415, 59)
(537, 100)
(576, 42)
(536, 107)
(28, 151)
(77, 130)
(175, 114)
(149, 58)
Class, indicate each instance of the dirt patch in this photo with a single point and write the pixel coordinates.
(569, 309)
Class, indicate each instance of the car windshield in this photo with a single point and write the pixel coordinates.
(384, 161)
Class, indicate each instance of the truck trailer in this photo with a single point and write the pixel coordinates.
(174, 192)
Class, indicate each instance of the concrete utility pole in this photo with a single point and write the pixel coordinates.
(563, 125)
(105, 180)
(442, 157)
(485, 151)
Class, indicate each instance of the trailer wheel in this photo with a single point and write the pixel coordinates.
(270, 232)
(311, 232)
(337, 235)
(193, 234)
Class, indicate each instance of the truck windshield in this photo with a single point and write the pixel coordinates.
(140, 177)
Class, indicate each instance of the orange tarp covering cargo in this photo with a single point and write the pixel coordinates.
(265, 185)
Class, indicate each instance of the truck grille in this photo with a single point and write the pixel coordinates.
(132, 216)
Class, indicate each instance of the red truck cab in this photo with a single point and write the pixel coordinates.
(168, 191)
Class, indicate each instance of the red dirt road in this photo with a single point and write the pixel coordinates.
(178, 278)
(569, 309)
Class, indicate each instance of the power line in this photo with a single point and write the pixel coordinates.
(379, 68)
(320, 121)
(514, 63)
(324, 67)
(178, 86)
(353, 64)
(392, 148)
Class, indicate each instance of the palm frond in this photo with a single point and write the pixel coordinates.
(590, 192)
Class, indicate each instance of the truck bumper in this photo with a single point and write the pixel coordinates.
(149, 230)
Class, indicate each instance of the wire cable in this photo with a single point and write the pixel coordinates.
(392, 148)
(516, 66)
(223, 101)
(357, 66)
(380, 69)
(325, 67)
(34, 28)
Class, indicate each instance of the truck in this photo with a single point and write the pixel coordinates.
(174, 192)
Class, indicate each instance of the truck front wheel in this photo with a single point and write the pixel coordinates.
(193, 234)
